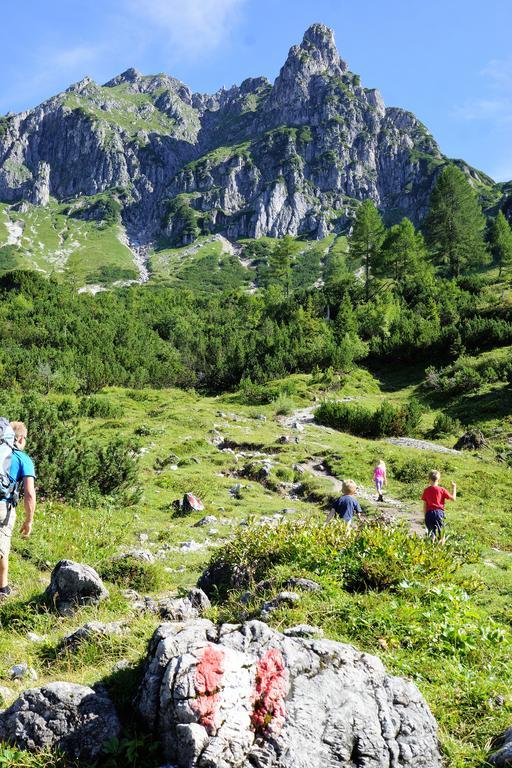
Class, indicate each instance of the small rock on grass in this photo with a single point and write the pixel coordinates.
(206, 520)
(136, 554)
(93, 629)
(22, 672)
(6, 694)
(304, 630)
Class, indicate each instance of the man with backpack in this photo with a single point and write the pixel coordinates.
(15, 467)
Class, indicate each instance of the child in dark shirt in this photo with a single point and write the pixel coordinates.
(434, 498)
(347, 504)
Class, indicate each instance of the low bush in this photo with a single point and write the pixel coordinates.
(250, 393)
(387, 420)
(66, 466)
(99, 407)
(371, 557)
(131, 572)
(445, 425)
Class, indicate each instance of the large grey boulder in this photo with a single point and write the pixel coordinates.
(73, 585)
(65, 716)
(502, 756)
(246, 695)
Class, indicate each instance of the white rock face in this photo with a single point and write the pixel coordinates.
(239, 696)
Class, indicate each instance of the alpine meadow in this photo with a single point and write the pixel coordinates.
(222, 317)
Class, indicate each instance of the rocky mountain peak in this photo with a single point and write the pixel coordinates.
(81, 85)
(130, 75)
(316, 57)
(319, 42)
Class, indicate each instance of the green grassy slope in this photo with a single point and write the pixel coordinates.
(50, 241)
(454, 642)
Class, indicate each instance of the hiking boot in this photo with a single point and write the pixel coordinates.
(381, 498)
(5, 592)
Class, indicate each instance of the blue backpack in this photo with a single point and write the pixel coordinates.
(7, 439)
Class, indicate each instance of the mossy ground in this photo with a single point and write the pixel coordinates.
(454, 642)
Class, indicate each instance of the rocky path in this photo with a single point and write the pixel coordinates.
(420, 445)
(389, 508)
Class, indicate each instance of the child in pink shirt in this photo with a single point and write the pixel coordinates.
(380, 479)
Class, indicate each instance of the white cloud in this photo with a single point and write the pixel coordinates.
(496, 104)
(71, 58)
(190, 27)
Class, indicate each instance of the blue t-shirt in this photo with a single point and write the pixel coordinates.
(345, 507)
(21, 466)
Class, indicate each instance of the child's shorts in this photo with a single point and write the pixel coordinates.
(434, 520)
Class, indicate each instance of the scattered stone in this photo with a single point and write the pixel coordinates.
(6, 694)
(136, 554)
(502, 754)
(245, 695)
(72, 718)
(190, 546)
(93, 630)
(304, 630)
(283, 598)
(174, 608)
(235, 491)
(22, 671)
(261, 417)
(297, 425)
(34, 638)
(143, 537)
(290, 511)
(73, 585)
(207, 520)
(189, 503)
(307, 585)
(472, 440)
(120, 665)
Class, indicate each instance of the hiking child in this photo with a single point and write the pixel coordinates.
(434, 497)
(380, 478)
(347, 504)
(21, 470)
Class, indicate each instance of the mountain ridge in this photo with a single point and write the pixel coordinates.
(293, 157)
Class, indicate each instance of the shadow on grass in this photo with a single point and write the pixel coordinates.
(397, 377)
(477, 408)
(21, 615)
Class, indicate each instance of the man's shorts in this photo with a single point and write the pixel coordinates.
(7, 521)
(434, 520)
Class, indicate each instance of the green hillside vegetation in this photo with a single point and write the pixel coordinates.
(439, 616)
(53, 241)
(385, 335)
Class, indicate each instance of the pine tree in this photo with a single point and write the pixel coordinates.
(455, 223)
(403, 251)
(366, 239)
(280, 263)
(501, 242)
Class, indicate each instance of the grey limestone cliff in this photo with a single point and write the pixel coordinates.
(256, 159)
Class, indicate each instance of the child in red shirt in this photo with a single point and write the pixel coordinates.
(434, 498)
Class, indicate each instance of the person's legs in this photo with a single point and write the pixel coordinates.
(378, 485)
(434, 522)
(7, 518)
(4, 571)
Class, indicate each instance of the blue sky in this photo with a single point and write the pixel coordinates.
(449, 61)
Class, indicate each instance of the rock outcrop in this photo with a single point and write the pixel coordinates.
(233, 696)
(501, 757)
(72, 718)
(73, 585)
(257, 159)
